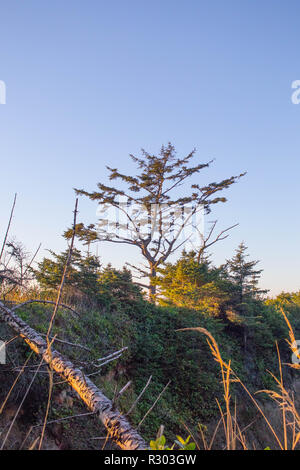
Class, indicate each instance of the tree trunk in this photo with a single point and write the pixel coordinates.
(152, 296)
(118, 428)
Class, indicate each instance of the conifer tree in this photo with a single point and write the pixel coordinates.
(82, 275)
(153, 218)
(245, 276)
(247, 294)
(199, 286)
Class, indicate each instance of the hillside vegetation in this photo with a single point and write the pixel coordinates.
(181, 344)
(112, 313)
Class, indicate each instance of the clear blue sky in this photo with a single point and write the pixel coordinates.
(90, 82)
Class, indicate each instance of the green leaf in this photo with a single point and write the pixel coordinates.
(180, 440)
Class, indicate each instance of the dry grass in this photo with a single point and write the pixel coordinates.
(286, 438)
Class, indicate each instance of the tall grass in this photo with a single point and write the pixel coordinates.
(286, 438)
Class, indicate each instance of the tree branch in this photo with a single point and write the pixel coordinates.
(118, 428)
(44, 302)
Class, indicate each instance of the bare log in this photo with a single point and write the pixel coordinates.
(118, 428)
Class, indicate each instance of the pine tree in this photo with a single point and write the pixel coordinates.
(244, 275)
(199, 286)
(247, 295)
(82, 275)
(153, 219)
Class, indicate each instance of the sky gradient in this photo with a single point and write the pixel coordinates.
(90, 82)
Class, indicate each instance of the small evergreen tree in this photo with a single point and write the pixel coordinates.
(248, 296)
(116, 286)
(245, 277)
(82, 275)
(199, 286)
(86, 276)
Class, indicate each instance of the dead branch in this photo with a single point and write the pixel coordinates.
(139, 397)
(32, 259)
(120, 393)
(8, 226)
(151, 408)
(118, 428)
(207, 242)
(112, 355)
(45, 302)
(80, 346)
(60, 289)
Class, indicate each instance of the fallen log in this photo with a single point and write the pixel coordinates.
(117, 426)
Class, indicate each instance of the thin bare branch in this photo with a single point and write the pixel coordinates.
(139, 397)
(8, 226)
(80, 346)
(44, 302)
(151, 408)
